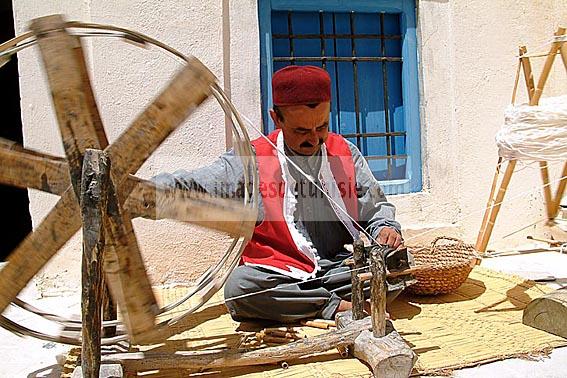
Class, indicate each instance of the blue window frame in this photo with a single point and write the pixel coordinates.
(369, 49)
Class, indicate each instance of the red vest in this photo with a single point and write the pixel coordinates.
(272, 245)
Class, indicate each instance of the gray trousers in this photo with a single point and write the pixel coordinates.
(260, 293)
(288, 299)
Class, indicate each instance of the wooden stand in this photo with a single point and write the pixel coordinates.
(549, 312)
(383, 349)
(534, 93)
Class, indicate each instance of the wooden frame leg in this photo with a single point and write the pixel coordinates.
(528, 73)
(489, 203)
(555, 47)
(546, 189)
(357, 298)
(563, 52)
(94, 194)
(560, 191)
(481, 246)
(552, 202)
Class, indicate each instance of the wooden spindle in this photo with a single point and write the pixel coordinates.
(378, 292)
(357, 284)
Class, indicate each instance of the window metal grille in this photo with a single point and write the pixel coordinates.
(362, 53)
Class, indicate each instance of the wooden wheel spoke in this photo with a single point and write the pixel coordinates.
(38, 247)
(73, 100)
(198, 208)
(124, 269)
(189, 88)
(29, 169)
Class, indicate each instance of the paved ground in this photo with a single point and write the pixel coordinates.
(26, 357)
(30, 357)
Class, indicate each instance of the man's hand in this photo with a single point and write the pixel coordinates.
(390, 237)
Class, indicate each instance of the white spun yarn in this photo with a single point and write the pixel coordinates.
(535, 132)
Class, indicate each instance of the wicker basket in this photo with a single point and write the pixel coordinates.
(450, 265)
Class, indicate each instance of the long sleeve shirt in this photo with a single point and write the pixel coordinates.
(314, 216)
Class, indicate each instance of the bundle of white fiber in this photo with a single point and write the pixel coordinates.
(535, 132)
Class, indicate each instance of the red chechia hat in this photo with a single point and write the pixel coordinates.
(301, 85)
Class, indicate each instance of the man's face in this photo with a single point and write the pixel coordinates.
(304, 128)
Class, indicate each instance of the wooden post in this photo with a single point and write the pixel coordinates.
(357, 284)
(563, 52)
(555, 46)
(94, 195)
(528, 74)
(546, 189)
(560, 191)
(490, 202)
(378, 292)
(481, 246)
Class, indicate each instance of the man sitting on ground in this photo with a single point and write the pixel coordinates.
(293, 267)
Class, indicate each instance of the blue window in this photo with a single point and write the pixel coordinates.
(369, 49)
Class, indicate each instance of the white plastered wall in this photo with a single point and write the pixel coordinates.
(467, 65)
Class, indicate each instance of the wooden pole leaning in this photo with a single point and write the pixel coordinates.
(495, 208)
(534, 100)
(560, 191)
(489, 203)
(528, 73)
(563, 181)
(555, 48)
(563, 53)
(547, 195)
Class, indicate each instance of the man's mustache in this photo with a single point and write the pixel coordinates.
(309, 145)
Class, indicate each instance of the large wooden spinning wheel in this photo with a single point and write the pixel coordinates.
(98, 192)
